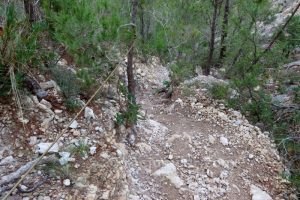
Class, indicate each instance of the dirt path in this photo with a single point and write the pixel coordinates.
(187, 150)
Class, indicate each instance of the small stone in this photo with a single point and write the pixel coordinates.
(67, 182)
(76, 133)
(42, 147)
(46, 103)
(93, 150)
(170, 157)
(197, 197)
(74, 125)
(64, 159)
(251, 156)
(32, 140)
(98, 129)
(179, 101)
(184, 161)
(170, 172)
(209, 173)
(211, 139)
(56, 111)
(89, 114)
(7, 160)
(104, 155)
(105, 195)
(224, 141)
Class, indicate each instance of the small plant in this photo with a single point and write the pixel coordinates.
(54, 169)
(219, 91)
(80, 148)
(181, 72)
(72, 104)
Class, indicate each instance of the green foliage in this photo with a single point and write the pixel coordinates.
(83, 27)
(19, 47)
(290, 38)
(69, 84)
(181, 71)
(81, 149)
(54, 169)
(219, 91)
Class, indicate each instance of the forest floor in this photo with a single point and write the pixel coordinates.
(188, 147)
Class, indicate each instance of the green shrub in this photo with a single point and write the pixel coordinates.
(219, 91)
(67, 81)
(181, 71)
(19, 48)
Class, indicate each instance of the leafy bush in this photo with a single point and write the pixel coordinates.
(69, 84)
(219, 91)
(181, 71)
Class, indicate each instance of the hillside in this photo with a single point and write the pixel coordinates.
(141, 100)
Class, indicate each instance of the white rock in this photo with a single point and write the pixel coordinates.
(179, 101)
(170, 172)
(105, 195)
(67, 182)
(224, 141)
(64, 159)
(93, 150)
(223, 116)
(99, 129)
(89, 114)
(7, 160)
(144, 148)
(32, 140)
(197, 197)
(209, 173)
(46, 103)
(251, 156)
(42, 147)
(211, 139)
(184, 161)
(74, 125)
(258, 194)
(49, 84)
(56, 111)
(104, 155)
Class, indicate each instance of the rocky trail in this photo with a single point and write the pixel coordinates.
(191, 151)
(188, 147)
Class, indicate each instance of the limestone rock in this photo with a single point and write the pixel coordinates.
(259, 194)
(169, 171)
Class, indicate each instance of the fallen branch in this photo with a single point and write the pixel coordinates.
(29, 190)
(17, 174)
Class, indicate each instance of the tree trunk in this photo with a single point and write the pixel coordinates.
(142, 21)
(130, 75)
(206, 70)
(224, 33)
(29, 10)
